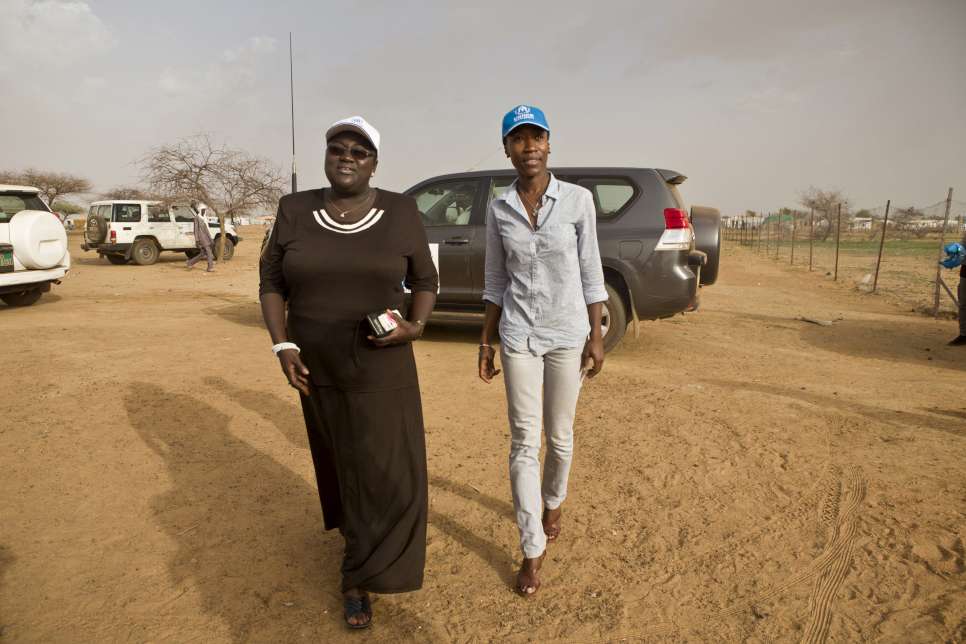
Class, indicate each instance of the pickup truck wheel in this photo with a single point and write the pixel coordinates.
(25, 298)
(613, 319)
(117, 260)
(145, 252)
(229, 249)
(191, 253)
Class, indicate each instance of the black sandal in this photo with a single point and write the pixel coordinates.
(355, 606)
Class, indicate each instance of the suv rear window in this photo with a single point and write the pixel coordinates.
(13, 202)
(127, 213)
(610, 194)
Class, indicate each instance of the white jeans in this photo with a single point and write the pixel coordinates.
(541, 392)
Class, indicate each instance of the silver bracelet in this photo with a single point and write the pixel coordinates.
(282, 346)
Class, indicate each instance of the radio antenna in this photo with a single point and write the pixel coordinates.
(291, 81)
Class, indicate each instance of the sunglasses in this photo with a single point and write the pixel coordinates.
(356, 152)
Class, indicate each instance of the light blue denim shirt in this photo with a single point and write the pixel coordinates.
(544, 278)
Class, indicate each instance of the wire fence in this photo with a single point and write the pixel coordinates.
(893, 252)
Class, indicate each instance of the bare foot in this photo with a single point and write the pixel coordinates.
(527, 581)
(551, 523)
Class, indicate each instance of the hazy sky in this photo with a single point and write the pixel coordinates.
(753, 100)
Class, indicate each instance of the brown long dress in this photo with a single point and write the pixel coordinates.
(364, 414)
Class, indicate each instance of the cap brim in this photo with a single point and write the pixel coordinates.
(522, 123)
(349, 127)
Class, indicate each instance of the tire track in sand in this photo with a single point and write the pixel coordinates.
(842, 531)
(839, 511)
(839, 497)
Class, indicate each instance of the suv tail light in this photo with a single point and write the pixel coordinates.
(113, 236)
(675, 218)
(677, 231)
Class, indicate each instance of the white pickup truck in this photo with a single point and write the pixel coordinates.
(133, 230)
(33, 246)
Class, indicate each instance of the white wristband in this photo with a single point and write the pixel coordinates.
(282, 346)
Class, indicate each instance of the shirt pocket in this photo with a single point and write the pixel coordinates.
(558, 244)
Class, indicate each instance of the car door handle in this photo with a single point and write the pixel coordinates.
(457, 241)
(125, 228)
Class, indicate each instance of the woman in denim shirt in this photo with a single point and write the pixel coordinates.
(544, 291)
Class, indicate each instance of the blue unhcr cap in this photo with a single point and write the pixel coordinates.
(524, 115)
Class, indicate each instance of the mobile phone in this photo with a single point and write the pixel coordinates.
(381, 323)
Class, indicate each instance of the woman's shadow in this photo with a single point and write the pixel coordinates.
(247, 530)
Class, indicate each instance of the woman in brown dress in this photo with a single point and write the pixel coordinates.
(334, 256)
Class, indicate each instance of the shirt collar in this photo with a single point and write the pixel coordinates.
(553, 191)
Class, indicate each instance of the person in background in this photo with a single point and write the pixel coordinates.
(956, 256)
(202, 242)
(544, 288)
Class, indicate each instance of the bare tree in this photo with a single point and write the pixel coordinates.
(231, 181)
(131, 192)
(52, 185)
(825, 204)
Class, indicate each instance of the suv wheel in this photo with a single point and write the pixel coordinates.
(25, 298)
(145, 252)
(613, 319)
(117, 260)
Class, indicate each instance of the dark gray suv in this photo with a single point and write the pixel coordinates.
(655, 254)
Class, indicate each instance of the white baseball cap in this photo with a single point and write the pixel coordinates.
(355, 124)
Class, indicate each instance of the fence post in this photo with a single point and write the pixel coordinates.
(758, 230)
(767, 238)
(778, 251)
(811, 236)
(794, 226)
(838, 236)
(942, 243)
(878, 261)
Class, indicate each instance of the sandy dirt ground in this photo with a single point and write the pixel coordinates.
(740, 476)
(907, 277)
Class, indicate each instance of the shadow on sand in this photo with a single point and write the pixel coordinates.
(461, 332)
(878, 414)
(243, 313)
(887, 340)
(6, 559)
(45, 300)
(248, 531)
(285, 416)
(492, 554)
